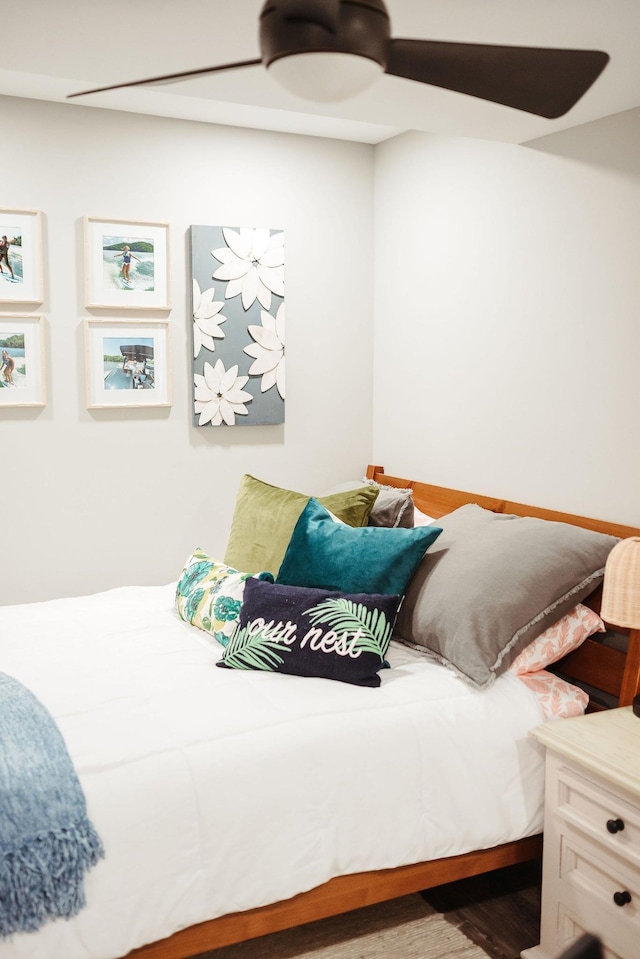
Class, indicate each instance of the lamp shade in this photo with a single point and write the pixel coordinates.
(621, 589)
(325, 77)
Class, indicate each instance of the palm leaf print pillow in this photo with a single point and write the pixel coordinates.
(305, 631)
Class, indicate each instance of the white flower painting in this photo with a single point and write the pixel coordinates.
(252, 264)
(238, 311)
(219, 395)
(206, 319)
(268, 350)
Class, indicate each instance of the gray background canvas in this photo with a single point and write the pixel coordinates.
(265, 408)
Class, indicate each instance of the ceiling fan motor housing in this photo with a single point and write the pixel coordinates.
(363, 30)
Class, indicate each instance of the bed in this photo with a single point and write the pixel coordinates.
(233, 803)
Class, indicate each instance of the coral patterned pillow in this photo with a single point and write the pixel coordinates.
(557, 698)
(558, 640)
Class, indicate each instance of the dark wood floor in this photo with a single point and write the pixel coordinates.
(499, 911)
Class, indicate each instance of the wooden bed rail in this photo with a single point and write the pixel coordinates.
(339, 895)
(438, 500)
(630, 685)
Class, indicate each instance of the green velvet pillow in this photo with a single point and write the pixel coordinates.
(265, 516)
(372, 559)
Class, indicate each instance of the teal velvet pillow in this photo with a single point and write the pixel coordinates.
(369, 559)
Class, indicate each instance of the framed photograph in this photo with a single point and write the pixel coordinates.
(20, 256)
(127, 363)
(22, 361)
(126, 264)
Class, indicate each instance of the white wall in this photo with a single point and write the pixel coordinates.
(507, 339)
(94, 499)
(505, 292)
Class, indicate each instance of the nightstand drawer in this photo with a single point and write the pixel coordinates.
(600, 814)
(600, 892)
(569, 929)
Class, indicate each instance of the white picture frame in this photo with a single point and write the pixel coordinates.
(126, 264)
(128, 364)
(22, 360)
(20, 256)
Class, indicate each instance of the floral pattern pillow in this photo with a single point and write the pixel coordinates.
(209, 595)
(558, 640)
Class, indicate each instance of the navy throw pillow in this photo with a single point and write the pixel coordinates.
(312, 632)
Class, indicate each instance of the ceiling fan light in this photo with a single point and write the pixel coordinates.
(325, 77)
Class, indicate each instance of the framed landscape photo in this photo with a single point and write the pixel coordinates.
(127, 363)
(22, 361)
(20, 256)
(126, 264)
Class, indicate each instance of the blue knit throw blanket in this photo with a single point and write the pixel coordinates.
(47, 843)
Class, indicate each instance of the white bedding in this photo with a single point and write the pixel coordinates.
(216, 791)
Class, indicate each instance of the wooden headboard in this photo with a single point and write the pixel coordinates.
(608, 668)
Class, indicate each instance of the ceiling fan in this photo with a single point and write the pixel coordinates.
(329, 50)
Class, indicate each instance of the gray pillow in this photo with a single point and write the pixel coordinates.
(493, 582)
(393, 508)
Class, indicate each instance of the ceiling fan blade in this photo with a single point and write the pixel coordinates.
(169, 77)
(326, 13)
(547, 82)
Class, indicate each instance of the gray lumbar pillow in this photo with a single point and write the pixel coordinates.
(492, 583)
(393, 508)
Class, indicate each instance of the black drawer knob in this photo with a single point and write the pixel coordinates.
(615, 825)
(622, 898)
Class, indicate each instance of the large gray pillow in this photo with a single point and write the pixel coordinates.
(492, 583)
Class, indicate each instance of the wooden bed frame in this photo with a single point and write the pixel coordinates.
(614, 671)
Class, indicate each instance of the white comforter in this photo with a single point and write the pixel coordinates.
(216, 791)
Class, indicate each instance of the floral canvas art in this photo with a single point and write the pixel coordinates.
(237, 276)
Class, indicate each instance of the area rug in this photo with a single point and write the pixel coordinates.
(405, 928)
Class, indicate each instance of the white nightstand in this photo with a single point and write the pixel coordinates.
(591, 859)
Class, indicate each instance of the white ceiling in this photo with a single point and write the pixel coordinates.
(50, 48)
